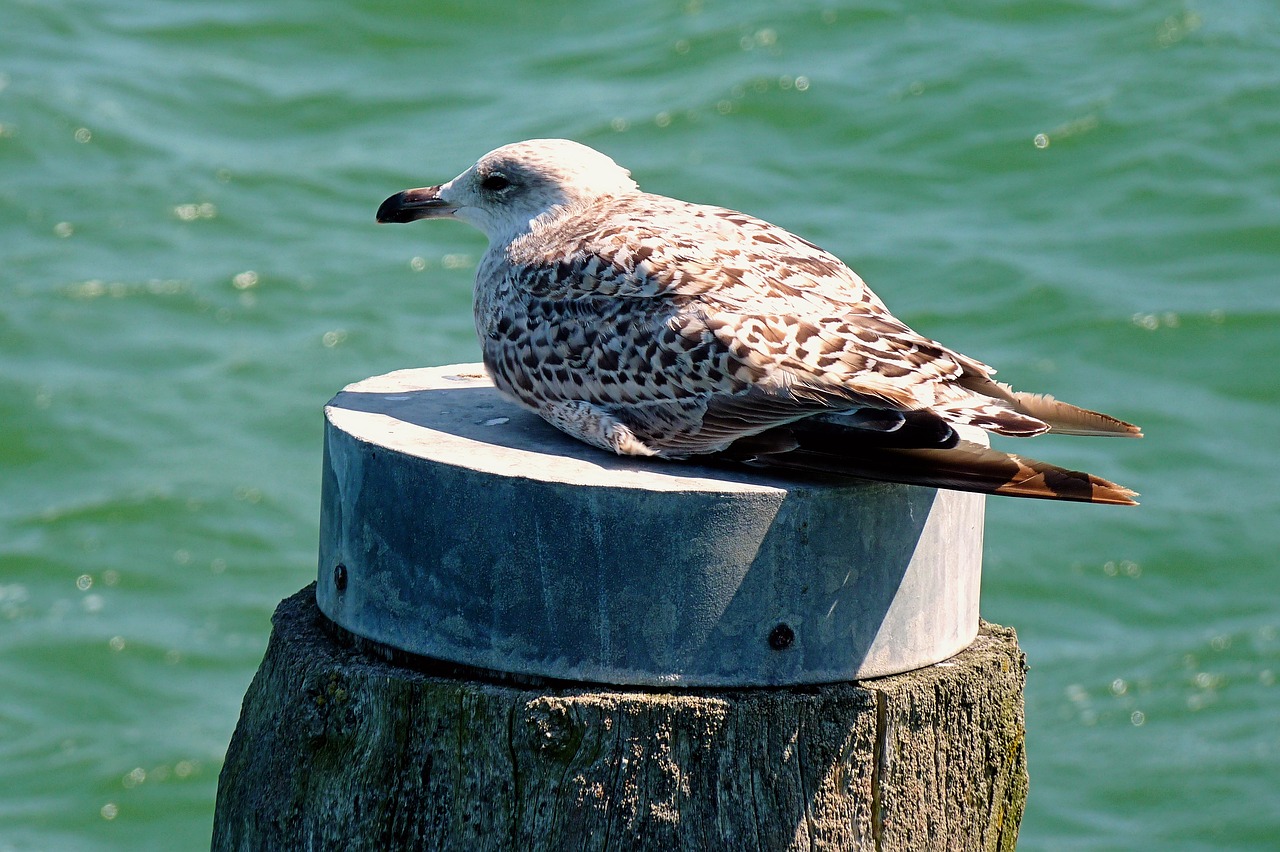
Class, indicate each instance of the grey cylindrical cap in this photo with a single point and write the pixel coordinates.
(456, 525)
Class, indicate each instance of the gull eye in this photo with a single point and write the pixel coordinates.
(495, 183)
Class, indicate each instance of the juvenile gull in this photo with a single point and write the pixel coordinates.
(649, 326)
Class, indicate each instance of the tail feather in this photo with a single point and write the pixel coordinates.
(1062, 418)
(1066, 419)
(966, 466)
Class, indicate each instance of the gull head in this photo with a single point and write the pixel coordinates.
(510, 188)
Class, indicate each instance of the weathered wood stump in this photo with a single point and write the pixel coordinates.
(340, 749)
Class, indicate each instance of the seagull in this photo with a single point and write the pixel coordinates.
(648, 326)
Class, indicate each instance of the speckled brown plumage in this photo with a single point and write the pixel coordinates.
(650, 326)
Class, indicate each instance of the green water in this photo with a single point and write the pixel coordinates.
(1085, 194)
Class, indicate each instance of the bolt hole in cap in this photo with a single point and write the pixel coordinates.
(781, 637)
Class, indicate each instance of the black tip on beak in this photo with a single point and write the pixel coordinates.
(414, 204)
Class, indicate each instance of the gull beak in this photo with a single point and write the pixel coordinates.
(414, 204)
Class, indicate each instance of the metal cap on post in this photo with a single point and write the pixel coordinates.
(458, 526)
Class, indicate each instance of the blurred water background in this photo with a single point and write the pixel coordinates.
(1085, 193)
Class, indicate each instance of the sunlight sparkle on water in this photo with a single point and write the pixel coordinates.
(245, 280)
(191, 212)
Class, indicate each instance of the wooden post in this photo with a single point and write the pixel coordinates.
(781, 657)
(340, 749)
